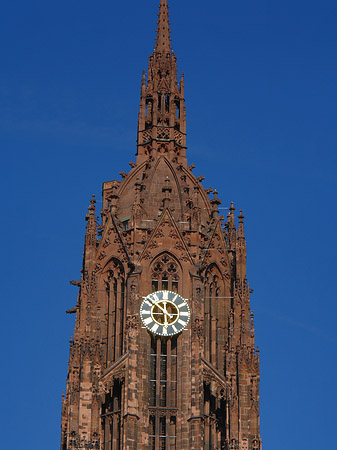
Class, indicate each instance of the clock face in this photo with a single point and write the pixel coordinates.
(164, 313)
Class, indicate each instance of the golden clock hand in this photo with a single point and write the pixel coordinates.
(157, 304)
(165, 316)
(166, 312)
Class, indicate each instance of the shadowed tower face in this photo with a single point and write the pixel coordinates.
(163, 354)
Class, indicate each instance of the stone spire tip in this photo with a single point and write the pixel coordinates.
(163, 38)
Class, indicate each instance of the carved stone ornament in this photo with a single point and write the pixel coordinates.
(159, 233)
(234, 444)
(256, 444)
(167, 412)
(133, 295)
(244, 444)
(197, 298)
(76, 442)
(132, 325)
(153, 244)
(198, 329)
(106, 243)
(147, 255)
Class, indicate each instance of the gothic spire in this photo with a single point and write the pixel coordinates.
(162, 114)
(163, 31)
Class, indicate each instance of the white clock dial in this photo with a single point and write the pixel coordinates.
(164, 313)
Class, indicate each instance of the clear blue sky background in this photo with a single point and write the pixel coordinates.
(261, 106)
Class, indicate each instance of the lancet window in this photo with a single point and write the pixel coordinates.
(163, 393)
(166, 274)
(214, 293)
(214, 420)
(111, 417)
(114, 279)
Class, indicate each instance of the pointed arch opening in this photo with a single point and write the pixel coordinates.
(112, 416)
(165, 273)
(214, 293)
(114, 311)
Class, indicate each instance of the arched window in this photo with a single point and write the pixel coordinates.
(114, 280)
(111, 417)
(214, 291)
(113, 277)
(163, 392)
(165, 273)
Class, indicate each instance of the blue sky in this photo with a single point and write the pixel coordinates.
(261, 97)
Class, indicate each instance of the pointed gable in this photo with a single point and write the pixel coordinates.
(216, 249)
(112, 245)
(166, 236)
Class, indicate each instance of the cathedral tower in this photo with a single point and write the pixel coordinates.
(163, 354)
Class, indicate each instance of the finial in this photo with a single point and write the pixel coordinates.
(182, 83)
(232, 209)
(241, 229)
(231, 224)
(92, 204)
(90, 218)
(163, 31)
(215, 202)
(143, 84)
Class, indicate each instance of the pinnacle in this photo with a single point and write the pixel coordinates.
(90, 217)
(215, 201)
(92, 208)
(163, 31)
(241, 229)
(241, 216)
(232, 209)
